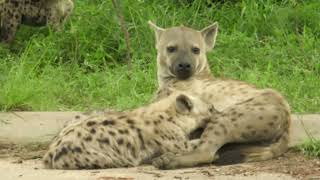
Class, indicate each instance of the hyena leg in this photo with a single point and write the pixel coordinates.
(205, 150)
(252, 152)
(58, 13)
(10, 21)
(53, 19)
(263, 118)
(266, 131)
(194, 143)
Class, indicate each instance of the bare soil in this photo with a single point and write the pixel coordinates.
(26, 164)
(292, 163)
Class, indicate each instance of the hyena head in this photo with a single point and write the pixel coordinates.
(192, 108)
(182, 51)
(192, 105)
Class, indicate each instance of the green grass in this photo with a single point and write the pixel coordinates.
(310, 148)
(269, 43)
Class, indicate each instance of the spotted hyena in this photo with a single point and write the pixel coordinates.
(245, 114)
(32, 12)
(129, 138)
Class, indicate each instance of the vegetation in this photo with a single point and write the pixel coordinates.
(270, 43)
(310, 148)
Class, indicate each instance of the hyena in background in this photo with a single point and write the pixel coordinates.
(245, 114)
(32, 12)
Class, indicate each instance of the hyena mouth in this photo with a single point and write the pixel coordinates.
(183, 74)
(183, 70)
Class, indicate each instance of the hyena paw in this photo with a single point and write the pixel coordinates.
(166, 161)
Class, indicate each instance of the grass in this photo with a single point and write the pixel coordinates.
(268, 43)
(310, 148)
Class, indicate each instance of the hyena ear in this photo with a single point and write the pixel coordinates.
(158, 31)
(209, 34)
(183, 104)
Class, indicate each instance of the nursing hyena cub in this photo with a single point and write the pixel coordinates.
(246, 114)
(129, 138)
(32, 12)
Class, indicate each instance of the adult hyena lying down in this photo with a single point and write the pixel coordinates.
(246, 114)
(130, 138)
(31, 12)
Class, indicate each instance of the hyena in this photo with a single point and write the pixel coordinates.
(129, 138)
(245, 114)
(32, 12)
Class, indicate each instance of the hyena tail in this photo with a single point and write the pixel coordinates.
(252, 152)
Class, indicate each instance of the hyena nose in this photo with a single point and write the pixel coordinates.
(183, 70)
(184, 67)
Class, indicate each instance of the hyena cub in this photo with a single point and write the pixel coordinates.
(129, 138)
(245, 114)
(32, 12)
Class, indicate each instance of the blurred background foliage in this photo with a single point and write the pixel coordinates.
(271, 43)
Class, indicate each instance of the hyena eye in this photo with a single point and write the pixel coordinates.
(171, 49)
(195, 50)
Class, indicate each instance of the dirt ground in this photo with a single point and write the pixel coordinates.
(292, 165)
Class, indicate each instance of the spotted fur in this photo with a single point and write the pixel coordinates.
(32, 12)
(129, 138)
(245, 114)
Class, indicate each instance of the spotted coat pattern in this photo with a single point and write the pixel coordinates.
(128, 138)
(32, 12)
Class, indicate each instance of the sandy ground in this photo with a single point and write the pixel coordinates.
(292, 165)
